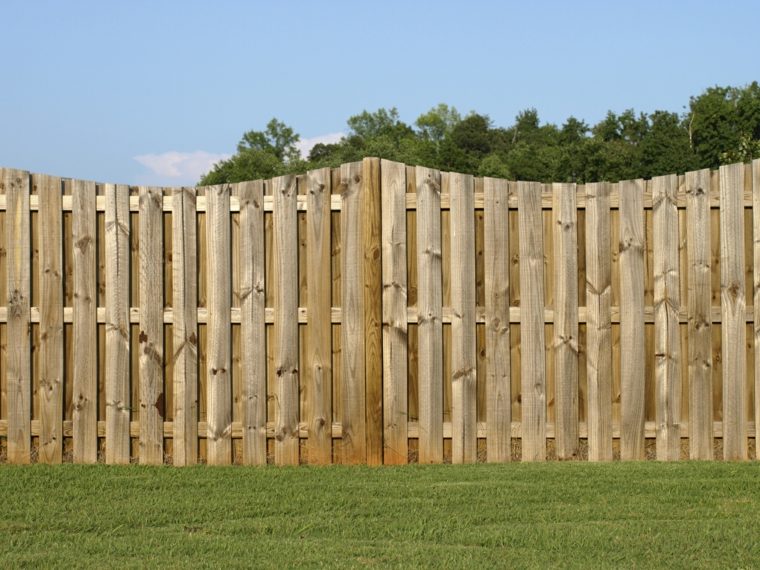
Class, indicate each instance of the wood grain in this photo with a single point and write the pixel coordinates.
(394, 277)
(733, 329)
(118, 398)
(632, 353)
(252, 321)
(18, 348)
(496, 267)
(463, 359)
(373, 310)
(85, 345)
(219, 360)
(667, 304)
(566, 342)
(285, 252)
(698, 238)
(51, 372)
(533, 363)
(598, 328)
(429, 325)
(151, 337)
(185, 326)
(353, 388)
(318, 367)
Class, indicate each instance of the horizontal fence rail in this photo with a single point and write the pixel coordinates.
(380, 313)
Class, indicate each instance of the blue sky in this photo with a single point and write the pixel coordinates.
(152, 92)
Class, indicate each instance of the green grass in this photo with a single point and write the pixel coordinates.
(681, 515)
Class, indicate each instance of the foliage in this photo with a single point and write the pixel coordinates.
(721, 125)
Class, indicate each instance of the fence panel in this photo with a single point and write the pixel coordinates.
(381, 314)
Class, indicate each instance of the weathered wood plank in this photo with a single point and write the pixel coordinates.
(566, 319)
(733, 330)
(318, 367)
(394, 260)
(429, 303)
(18, 355)
(373, 315)
(185, 326)
(353, 388)
(462, 275)
(286, 319)
(632, 352)
(533, 362)
(219, 300)
(498, 388)
(85, 345)
(151, 327)
(598, 328)
(756, 292)
(698, 238)
(51, 372)
(118, 398)
(252, 321)
(667, 304)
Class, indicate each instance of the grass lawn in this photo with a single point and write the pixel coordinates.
(680, 515)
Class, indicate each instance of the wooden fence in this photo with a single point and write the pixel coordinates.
(380, 313)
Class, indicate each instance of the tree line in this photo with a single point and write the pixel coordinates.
(719, 126)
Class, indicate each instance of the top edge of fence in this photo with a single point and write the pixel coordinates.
(171, 189)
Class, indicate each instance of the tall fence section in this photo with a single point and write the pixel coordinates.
(380, 313)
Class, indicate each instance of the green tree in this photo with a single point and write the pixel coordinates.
(260, 154)
(724, 124)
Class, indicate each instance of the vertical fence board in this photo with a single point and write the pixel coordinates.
(372, 281)
(756, 293)
(498, 389)
(732, 308)
(219, 291)
(118, 400)
(462, 275)
(632, 353)
(286, 319)
(565, 319)
(533, 363)
(598, 323)
(430, 315)
(354, 442)
(85, 346)
(185, 326)
(18, 356)
(252, 321)
(51, 371)
(699, 311)
(667, 304)
(318, 368)
(151, 326)
(394, 259)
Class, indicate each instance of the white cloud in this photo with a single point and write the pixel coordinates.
(305, 145)
(178, 168)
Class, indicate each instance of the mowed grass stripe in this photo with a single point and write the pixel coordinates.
(639, 514)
